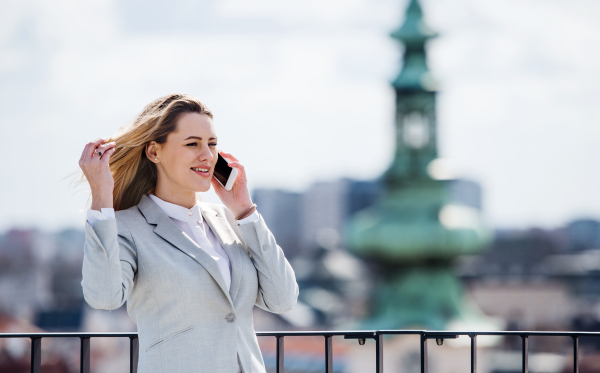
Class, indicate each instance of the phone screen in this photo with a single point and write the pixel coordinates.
(222, 170)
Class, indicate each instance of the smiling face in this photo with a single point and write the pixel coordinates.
(186, 161)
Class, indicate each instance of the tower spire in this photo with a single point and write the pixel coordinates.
(407, 232)
(414, 34)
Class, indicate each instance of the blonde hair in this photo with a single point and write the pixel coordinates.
(133, 173)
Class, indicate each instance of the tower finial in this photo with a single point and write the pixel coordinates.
(414, 33)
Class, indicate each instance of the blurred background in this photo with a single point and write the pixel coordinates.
(423, 164)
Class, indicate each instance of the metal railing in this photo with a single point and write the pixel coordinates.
(361, 336)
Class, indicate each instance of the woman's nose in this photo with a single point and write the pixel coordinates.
(206, 154)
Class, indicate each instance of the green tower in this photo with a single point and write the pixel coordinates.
(418, 225)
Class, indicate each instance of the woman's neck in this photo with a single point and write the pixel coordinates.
(186, 198)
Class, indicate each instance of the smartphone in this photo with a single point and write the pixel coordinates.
(224, 174)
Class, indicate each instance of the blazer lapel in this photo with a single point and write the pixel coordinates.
(229, 241)
(166, 229)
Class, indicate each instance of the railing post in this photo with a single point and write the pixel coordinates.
(525, 339)
(473, 353)
(575, 354)
(134, 353)
(328, 354)
(423, 353)
(84, 355)
(379, 352)
(36, 354)
(279, 354)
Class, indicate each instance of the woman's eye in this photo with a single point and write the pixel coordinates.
(196, 144)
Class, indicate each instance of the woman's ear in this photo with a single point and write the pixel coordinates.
(152, 151)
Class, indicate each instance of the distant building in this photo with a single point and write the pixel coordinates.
(302, 222)
(584, 234)
(360, 195)
(40, 277)
(521, 267)
(324, 210)
(25, 280)
(514, 254)
(282, 211)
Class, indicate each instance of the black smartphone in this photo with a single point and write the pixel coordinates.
(224, 174)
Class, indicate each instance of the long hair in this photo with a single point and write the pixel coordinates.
(133, 173)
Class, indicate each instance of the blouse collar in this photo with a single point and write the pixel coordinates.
(176, 211)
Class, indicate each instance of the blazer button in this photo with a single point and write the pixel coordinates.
(230, 317)
(264, 247)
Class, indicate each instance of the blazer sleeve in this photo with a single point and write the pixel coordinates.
(109, 264)
(277, 286)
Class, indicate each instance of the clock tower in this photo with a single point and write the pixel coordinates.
(415, 91)
(420, 223)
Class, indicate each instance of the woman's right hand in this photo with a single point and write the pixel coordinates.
(96, 170)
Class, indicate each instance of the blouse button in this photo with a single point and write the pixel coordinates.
(264, 247)
(191, 213)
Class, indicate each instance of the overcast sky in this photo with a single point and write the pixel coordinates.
(300, 92)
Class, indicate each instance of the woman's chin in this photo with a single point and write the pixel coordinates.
(202, 188)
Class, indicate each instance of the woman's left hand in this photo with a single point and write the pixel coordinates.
(237, 200)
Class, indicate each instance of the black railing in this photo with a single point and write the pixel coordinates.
(361, 336)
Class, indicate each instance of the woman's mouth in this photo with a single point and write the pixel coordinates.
(201, 171)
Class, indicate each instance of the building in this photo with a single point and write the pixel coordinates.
(423, 219)
(302, 222)
(282, 211)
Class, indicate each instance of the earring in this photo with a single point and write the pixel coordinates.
(155, 159)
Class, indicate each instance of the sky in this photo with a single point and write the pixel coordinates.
(300, 93)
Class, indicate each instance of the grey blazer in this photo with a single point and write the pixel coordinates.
(187, 321)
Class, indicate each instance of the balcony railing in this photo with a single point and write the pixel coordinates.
(361, 336)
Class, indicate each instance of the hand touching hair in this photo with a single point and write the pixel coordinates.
(124, 156)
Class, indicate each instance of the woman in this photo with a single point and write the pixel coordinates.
(190, 271)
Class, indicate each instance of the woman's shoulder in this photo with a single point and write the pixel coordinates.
(130, 216)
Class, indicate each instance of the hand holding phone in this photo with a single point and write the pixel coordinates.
(224, 174)
(236, 197)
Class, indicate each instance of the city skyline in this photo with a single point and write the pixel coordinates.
(308, 84)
